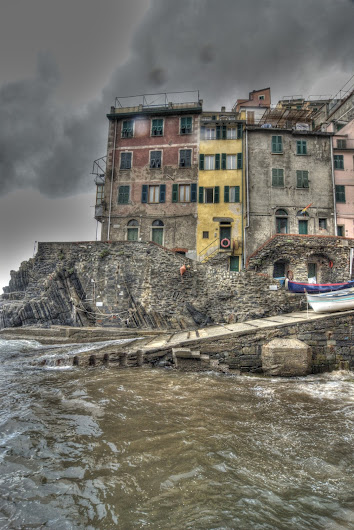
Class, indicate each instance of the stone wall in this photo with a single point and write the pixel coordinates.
(297, 251)
(134, 285)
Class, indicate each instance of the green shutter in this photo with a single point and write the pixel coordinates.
(226, 193)
(174, 192)
(193, 193)
(217, 161)
(162, 192)
(218, 132)
(216, 194)
(237, 193)
(277, 144)
(201, 194)
(277, 178)
(201, 161)
(223, 161)
(303, 227)
(224, 133)
(340, 193)
(144, 193)
(239, 130)
(239, 160)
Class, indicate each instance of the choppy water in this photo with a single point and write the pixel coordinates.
(100, 448)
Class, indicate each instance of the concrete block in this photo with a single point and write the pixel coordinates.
(286, 358)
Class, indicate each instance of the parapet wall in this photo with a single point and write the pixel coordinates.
(136, 285)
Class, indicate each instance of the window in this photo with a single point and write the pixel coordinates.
(239, 130)
(209, 134)
(341, 144)
(209, 195)
(277, 144)
(338, 162)
(231, 133)
(125, 161)
(155, 159)
(153, 194)
(234, 263)
(231, 162)
(239, 160)
(322, 223)
(209, 162)
(186, 125)
(302, 179)
(156, 127)
(277, 178)
(132, 230)
(340, 193)
(281, 221)
(123, 195)
(99, 194)
(184, 193)
(157, 231)
(127, 128)
(205, 235)
(340, 230)
(185, 158)
(261, 98)
(231, 193)
(301, 147)
(303, 227)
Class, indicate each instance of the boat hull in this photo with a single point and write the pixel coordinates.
(300, 287)
(331, 302)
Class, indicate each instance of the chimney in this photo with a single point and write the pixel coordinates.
(223, 109)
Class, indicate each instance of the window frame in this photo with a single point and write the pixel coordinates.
(206, 190)
(277, 145)
(184, 187)
(131, 160)
(230, 136)
(99, 194)
(232, 158)
(132, 129)
(205, 235)
(156, 188)
(189, 130)
(341, 143)
(123, 195)
(340, 193)
(338, 161)
(180, 158)
(150, 158)
(323, 221)
(152, 127)
(301, 147)
(278, 176)
(210, 158)
(305, 223)
(302, 176)
(130, 228)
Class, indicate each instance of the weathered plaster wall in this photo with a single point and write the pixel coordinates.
(265, 199)
(345, 177)
(135, 285)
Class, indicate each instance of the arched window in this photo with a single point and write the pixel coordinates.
(132, 230)
(281, 221)
(157, 231)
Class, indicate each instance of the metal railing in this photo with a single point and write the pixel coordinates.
(162, 99)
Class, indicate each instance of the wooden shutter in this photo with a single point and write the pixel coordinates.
(193, 193)
(174, 192)
(239, 130)
(201, 162)
(144, 193)
(217, 161)
(237, 193)
(223, 161)
(224, 132)
(218, 132)
(239, 160)
(162, 192)
(216, 194)
(201, 194)
(226, 193)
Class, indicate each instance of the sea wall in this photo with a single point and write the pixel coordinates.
(133, 284)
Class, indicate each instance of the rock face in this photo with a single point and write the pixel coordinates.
(286, 358)
(132, 284)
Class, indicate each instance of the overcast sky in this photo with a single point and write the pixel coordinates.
(63, 63)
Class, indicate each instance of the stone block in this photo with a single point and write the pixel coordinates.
(286, 358)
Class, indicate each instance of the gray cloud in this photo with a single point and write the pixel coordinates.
(224, 49)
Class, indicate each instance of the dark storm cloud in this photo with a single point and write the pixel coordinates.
(225, 49)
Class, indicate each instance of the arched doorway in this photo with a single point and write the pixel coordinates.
(132, 230)
(281, 221)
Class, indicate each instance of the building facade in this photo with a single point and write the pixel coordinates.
(289, 182)
(220, 192)
(150, 188)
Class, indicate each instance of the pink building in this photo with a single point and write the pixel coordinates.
(343, 158)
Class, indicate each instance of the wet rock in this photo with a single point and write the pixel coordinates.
(287, 358)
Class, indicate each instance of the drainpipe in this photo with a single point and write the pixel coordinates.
(333, 189)
(112, 175)
(247, 200)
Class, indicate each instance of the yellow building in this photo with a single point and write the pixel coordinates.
(221, 189)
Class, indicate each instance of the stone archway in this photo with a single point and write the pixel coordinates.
(318, 267)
